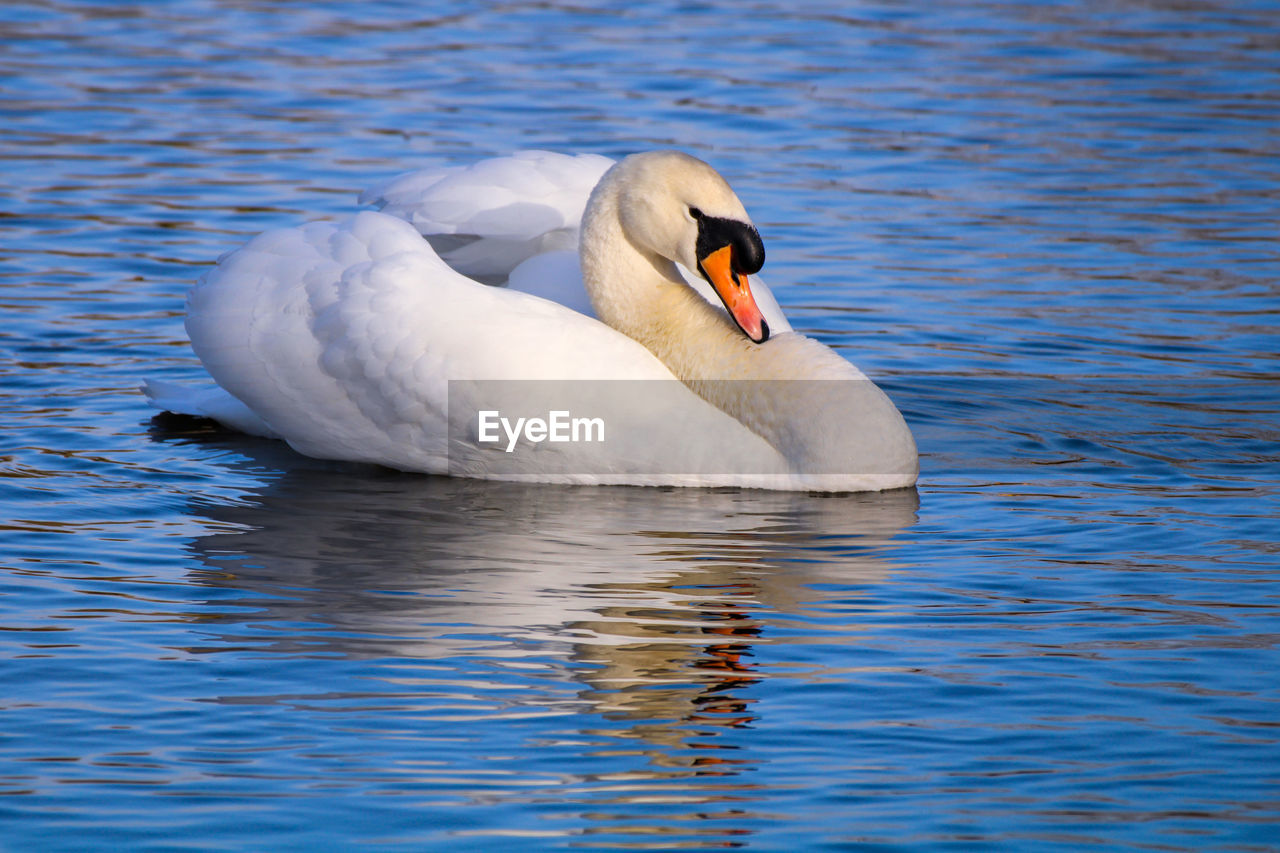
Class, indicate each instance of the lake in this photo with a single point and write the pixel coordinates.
(1049, 232)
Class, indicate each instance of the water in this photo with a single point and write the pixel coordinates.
(1049, 231)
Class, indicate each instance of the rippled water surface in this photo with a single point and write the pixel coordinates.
(1049, 231)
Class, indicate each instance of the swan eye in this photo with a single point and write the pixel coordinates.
(695, 213)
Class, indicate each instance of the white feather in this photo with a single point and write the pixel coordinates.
(344, 339)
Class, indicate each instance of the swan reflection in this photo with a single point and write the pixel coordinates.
(643, 607)
(416, 566)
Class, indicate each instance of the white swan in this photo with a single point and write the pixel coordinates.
(357, 341)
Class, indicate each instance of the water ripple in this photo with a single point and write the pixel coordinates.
(1048, 230)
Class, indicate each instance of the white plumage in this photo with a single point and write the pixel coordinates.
(342, 338)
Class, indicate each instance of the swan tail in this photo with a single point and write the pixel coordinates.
(208, 401)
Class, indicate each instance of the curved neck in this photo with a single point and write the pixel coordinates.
(642, 295)
(845, 427)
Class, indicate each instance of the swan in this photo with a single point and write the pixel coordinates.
(377, 339)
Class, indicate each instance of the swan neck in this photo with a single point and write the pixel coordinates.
(642, 295)
(846, 427)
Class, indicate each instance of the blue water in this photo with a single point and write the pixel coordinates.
(1049, 231)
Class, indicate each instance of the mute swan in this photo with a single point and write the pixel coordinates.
(357, 341)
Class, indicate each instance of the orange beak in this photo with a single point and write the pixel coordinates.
(735, 292)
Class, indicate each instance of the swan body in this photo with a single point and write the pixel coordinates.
(369, 340)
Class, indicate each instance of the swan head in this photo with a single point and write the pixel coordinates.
(678, 207)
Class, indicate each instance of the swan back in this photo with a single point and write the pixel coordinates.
(487, 218)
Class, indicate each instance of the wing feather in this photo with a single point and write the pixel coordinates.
(343, 338)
